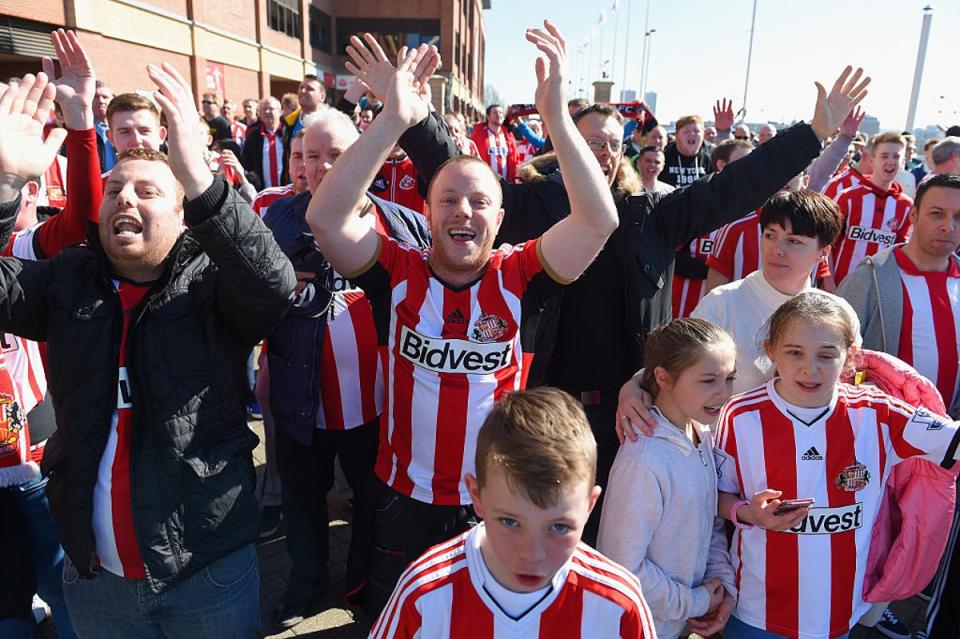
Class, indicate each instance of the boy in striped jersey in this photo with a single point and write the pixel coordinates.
(523, 572)
(876, 211)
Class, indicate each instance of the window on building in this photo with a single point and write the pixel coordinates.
(284, 16)
(391, 33)
(456, 50)
(321, 28)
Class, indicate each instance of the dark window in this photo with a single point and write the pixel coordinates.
(284, 16)
(320, 30)
(456, 50)
(392, 33)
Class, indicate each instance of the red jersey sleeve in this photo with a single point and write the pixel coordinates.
(917, 432)
(83, 200)
(721, 258)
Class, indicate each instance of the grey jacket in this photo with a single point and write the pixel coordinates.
(875, 292)
(659, 521)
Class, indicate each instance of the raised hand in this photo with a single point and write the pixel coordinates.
(372, 67)
(851, 123)
(550, 92)
(370, 63)
(24, 154)
(184, 142)
(77, 83)
(847, 92)
(403, 100)
(723, 114)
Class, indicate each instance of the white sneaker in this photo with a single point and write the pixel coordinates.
(40, 609)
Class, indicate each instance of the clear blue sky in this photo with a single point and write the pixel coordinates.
(699, 52)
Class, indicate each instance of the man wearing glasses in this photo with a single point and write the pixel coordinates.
(219, 125)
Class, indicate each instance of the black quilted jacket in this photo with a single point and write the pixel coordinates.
(225, 286)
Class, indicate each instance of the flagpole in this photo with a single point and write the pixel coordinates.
(746, 82)
(616, 29)
(643, 60)
(626, 48)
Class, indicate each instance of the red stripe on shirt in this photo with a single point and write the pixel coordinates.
(840, 454)
(783, 555)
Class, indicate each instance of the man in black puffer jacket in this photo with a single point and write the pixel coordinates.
(148, 328)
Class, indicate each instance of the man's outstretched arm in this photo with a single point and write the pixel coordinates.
(572, 243)
(334, 212)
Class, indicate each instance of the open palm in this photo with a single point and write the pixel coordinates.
(77, 83)
(847, 92)
(23, 152)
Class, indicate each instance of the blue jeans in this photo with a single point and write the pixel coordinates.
(47, 554)
(220, 601)
(736, 629)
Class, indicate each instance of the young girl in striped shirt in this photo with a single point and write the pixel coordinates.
(805, 436)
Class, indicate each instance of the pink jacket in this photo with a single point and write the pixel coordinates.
(914, 520)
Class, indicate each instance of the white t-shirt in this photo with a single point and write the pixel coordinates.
(742, 308)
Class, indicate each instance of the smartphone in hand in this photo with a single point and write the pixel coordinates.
(790, 505)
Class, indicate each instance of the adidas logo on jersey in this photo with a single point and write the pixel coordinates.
(812, 454)
(867, 234)
(456, 317)
(454, 355)
(830, 521)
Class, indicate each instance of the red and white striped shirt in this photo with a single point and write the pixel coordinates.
(272, 157)
(113, 525)
(688, 292)
(498, 149)
(841, 182)
(525, 151)
(442, 596)
(268, 196)
(351, 369)
(873, 220)
(736, 251)
(930, 323)
(238, 132)
(807, 582)
(449, 355)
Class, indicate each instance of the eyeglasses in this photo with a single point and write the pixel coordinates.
(598, 144)
(741, 137)
(207, 102)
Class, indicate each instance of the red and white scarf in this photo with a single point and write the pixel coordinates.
(16, 466)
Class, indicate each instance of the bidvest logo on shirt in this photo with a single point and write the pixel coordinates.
(830, 521)
(868, 234)
(454, 355)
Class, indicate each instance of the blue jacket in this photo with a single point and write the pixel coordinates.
(295, 347)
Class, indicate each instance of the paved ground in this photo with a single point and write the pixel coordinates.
(334, 621)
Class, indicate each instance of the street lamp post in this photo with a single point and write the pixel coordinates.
(746, 82)
(648, 42)
(918, 70)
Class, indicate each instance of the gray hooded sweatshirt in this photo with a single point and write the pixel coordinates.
(659, 521)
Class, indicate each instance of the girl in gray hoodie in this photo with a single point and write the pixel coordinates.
(660, 512)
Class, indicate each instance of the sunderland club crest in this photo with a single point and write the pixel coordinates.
(489, 328)
(854, 477)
